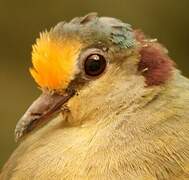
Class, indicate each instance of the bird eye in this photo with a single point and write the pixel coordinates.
(94, 65)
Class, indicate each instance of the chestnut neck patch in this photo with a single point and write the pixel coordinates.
(155, 65)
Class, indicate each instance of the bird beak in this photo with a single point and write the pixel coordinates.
(41, 110)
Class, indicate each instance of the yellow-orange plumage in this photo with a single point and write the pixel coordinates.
(131, 122)
(54, 61)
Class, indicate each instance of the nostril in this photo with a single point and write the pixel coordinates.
(36, 114)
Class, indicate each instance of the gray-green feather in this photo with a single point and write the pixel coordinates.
(93, 29)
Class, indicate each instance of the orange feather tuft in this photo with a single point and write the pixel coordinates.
(54, 61)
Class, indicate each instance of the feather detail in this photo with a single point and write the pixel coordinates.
(54, 61)
(155, 65)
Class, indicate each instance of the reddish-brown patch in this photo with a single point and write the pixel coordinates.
(155, 64)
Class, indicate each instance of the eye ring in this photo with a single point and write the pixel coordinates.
(100, 58)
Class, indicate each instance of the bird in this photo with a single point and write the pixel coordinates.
(113, 106)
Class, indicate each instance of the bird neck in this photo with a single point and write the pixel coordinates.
(108, 103)
(139, 132)
(147, 138)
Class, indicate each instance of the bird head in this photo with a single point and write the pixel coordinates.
(93, 65)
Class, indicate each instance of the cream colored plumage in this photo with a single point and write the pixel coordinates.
(116, 127)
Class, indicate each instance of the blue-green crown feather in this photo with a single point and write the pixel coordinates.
(92, 28)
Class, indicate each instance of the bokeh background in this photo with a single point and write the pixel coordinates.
(21, 21)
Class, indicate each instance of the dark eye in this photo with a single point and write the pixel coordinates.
(94, 65)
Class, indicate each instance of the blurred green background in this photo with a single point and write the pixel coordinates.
(21, 21)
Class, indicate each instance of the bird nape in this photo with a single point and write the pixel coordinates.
(113, 106)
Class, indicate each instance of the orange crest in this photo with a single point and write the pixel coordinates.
(54, 61)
